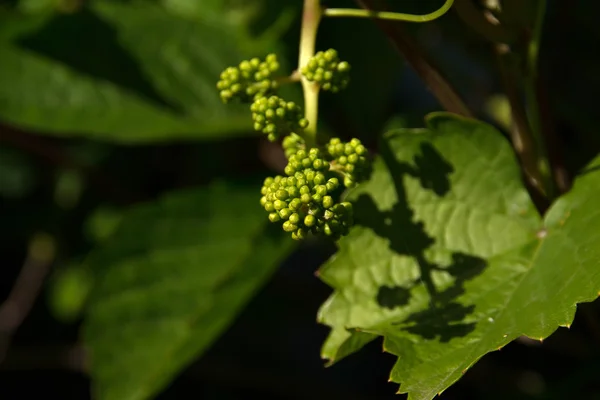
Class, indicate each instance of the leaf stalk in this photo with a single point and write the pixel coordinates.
(388, 15)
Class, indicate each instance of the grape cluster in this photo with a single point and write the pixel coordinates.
(326, 69)
(252, 78)
(303, 160)
(304, 199)
(350, 159)
(303, 203)
(292, 143)
(276, 117)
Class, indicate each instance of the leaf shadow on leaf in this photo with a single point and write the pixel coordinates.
(444, 316)
(89, 45)
(589, 170)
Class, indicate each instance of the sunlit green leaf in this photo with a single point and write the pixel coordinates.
(450, 260)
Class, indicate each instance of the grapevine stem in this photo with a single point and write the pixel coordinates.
(393, 16)
(431, 76)
(531, 80)
(521, 135)
(294, 77)
(311, 17)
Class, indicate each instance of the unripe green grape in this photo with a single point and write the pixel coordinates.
(289, 227)
(274, 217)
(295, 204)
(303, 161)
(309, 220)
(304, 203)
(275, 117)
(251, 78)
(327, 201)
(332, 184)
(300, 234)
(326, 69)
(269, 207)
(292, 143)
(294, 218)
(285, 213)
(278, 204)
(350, 159)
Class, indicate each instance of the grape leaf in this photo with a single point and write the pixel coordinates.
(170, 280)
(450, 260)
(125, 72)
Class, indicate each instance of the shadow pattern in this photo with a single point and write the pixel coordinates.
(443, 319)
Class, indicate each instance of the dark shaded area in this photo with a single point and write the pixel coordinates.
(434, 170)
(393, 296)
(589, 170)
(272, 350)
(86, 43)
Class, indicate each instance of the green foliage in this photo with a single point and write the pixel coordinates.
(69, 291)
(124, 72)
(450, 260)
(102, 223)
(441, 251)
(17, 176)
(170, 280)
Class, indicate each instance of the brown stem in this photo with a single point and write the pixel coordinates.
(521, 135)
(26, 288)
(476, 20)
(433, 79)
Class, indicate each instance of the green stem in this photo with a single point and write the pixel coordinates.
(394, 16)
(311, 17)
(284, 80)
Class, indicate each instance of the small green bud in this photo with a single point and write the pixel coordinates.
(278, 204)
(294, 218)
(269, 207)
(285, 213)
(325, 69)
(282, 194)
(274, 217)
(309, 220)
(289, 227)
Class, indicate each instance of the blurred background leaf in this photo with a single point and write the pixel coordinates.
(171, 279)
(78, 80)
(124, 72)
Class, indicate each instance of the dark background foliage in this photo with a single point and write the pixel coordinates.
(52, 185)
